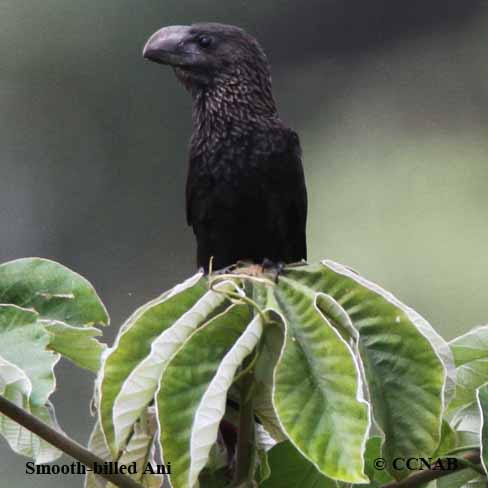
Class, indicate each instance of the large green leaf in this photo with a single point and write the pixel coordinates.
(318, 392)
(211, 409)
(140, 386)
(471, 357)
(403, 359)
(54, 291)
(290, 468)
(26, 378)
(48, 309)
(192, 371)
(133, 344)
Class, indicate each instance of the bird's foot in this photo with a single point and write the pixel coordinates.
(274, 268)
(251, 269)
(258, 270)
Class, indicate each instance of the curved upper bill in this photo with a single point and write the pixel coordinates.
(165, 46)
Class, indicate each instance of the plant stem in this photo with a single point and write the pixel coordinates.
(63, 443)
(245, 441)
(422, 477)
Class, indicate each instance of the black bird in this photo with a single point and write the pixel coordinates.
(245, 195)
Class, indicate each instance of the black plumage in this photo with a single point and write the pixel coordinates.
(245, 196)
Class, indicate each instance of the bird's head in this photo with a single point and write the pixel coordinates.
(210, 54)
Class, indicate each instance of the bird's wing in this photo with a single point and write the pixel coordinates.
(287, 196)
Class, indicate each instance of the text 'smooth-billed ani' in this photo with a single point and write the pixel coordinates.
(245, 196)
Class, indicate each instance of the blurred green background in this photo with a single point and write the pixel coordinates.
(390, 100)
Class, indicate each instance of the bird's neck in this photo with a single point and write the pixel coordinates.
(231, 106)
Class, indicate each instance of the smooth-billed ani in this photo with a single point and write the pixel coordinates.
(245, 196)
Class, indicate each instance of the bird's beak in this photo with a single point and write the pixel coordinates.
(166, 46)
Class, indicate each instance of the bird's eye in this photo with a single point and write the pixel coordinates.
(205, 41)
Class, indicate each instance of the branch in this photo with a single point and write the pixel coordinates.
(421, 477)
(63, 443)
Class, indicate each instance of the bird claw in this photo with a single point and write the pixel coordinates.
(255, 270)
(275, 268)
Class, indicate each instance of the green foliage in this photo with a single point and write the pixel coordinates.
(317, 378)
(134, 365)
(184, 389)
(53, 291)
(46, 311)
(338, 372)
(26, 377)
